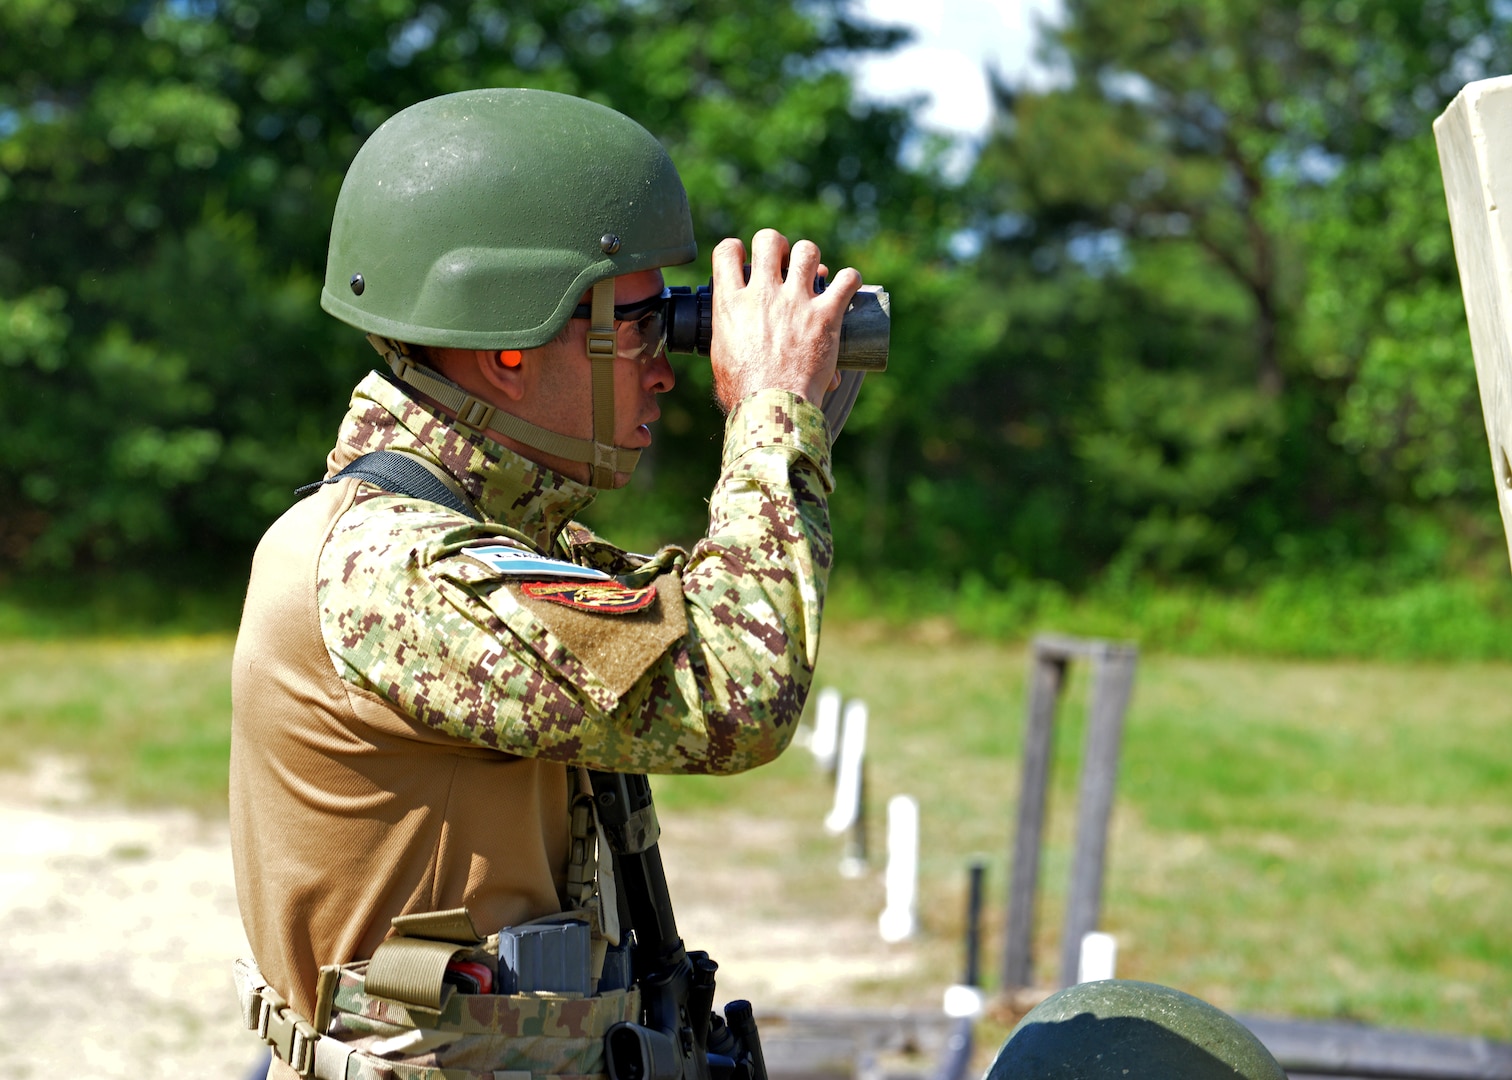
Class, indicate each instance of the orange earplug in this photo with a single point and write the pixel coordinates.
(509, 357)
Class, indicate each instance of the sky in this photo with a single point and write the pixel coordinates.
(954, 41)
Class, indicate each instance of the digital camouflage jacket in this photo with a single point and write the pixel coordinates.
(454, 643)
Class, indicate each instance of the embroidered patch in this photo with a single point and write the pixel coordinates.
(608, 599)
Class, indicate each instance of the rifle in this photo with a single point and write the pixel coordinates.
(679, 1037)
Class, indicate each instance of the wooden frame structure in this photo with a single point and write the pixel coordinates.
(1113, 681)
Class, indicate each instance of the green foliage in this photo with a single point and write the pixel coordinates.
(1192, 317)
(1385, 317)
(1245, 196)
(135, 604)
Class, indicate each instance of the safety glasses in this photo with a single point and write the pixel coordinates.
(640, 329)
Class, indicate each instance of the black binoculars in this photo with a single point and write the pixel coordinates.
(864, 332)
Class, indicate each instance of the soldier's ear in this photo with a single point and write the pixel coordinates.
(504, 369)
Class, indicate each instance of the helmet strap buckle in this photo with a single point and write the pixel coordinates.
(475, 414)
(605, 457)
(601, 337)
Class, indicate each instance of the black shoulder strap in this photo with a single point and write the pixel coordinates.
(402, 475)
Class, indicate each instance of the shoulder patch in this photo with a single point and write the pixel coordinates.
(605, 598)
(521, 562)
(617, 650)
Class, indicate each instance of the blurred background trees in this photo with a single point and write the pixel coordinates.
(1236, 343)
(1192, 313)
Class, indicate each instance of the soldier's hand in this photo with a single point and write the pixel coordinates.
(774, 332)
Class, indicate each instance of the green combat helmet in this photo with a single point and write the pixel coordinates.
(1117, 1029)
(477, 220)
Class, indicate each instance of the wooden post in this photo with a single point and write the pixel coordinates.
(1113, 680)
(1475, 154)
(1046, 674)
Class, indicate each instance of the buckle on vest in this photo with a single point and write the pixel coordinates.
(292, 1037)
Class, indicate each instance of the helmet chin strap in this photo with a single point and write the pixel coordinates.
(601, 349)
(599, 453)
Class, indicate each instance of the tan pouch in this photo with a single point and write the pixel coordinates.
(473, 1035)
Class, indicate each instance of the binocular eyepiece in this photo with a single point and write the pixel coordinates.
(865, 331)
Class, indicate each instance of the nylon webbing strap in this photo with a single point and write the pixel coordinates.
(410, 970)
(601, 349)
(292, 1038)
(402, 474)
(487, 420)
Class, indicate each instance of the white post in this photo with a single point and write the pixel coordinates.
(847, 806)
(962, 1001)
(1099, 957)
(848, 815)
(1475, 154)
(896, 922)
(826, 736)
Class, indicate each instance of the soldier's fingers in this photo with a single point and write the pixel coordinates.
(842, 290)
(769, 254)
(803, 265)
(726, 266)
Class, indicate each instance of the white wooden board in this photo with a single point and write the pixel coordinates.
(1475, 154)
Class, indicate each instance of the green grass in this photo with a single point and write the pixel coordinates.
(150, 718)
(1294, 838)
(1306, 838)
(1347, 615)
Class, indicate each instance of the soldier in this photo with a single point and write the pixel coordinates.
(418, 680)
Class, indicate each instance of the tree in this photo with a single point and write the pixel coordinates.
(1247, 190)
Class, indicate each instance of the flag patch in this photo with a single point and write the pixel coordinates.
(518, 562)
(608, 598)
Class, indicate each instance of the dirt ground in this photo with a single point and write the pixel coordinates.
(119, 929)
(118, 933)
